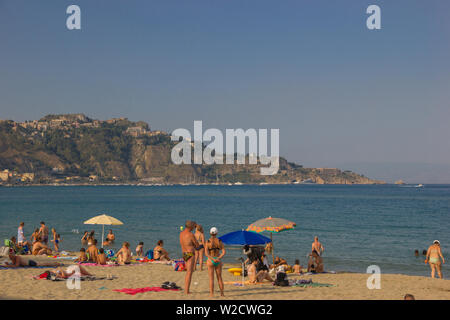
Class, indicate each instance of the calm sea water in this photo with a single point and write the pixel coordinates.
(358, 225)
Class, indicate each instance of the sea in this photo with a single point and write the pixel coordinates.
(358, 225)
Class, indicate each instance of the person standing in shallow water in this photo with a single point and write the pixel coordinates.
(434, 254)
(214, 251)
(188, 244)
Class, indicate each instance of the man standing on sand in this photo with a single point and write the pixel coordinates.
(317, 246)
(434, 254)
(43, 232)
(188, 244)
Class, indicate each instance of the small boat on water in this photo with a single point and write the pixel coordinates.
(419, 186)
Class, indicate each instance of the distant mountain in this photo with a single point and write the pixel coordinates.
(77, 149)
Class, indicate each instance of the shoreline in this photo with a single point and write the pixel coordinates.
(18, 284)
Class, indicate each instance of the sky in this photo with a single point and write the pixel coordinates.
(372, 101)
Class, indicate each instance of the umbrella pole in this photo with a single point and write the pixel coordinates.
(243, 273)
(103, 232)
(273, 251)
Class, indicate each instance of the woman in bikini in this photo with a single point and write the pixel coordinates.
(434, 254)
(159, 253)
(199, 252)
(214, 251)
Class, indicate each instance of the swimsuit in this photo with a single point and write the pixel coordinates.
(215, 264)
(187, 256)
(434, 260)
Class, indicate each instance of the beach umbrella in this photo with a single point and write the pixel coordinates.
(272, 225)
(104, 219)
(243, 237)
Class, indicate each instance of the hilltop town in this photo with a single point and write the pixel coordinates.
(75, 149)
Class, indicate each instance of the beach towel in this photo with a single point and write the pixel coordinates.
(28, 267)
(141, 290)
(82, 278)
(313, 285)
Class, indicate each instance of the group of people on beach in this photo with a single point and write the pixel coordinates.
(38, 244)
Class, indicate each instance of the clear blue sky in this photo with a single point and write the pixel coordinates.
(341, 95)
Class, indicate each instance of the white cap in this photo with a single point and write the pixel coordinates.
(436, 241)
(213, 230)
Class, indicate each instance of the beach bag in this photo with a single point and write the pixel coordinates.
(179, 266)
(281, 280)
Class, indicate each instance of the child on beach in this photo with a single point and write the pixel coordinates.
(297, 267)
(101, 258)
(140, 249)
(83, 257)
(56, 242)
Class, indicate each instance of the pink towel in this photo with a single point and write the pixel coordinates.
(141, 290)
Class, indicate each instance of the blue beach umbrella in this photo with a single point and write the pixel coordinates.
(244, 237)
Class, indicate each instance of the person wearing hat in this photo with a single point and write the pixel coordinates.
(434, 254)
(214, 251)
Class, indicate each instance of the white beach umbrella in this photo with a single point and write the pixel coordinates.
(104, 219)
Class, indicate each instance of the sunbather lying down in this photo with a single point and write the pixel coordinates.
(20, 261)
(76, 270)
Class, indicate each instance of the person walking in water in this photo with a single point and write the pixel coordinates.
(317, 246)
(434, 254)
(214, 251)
(188, 244)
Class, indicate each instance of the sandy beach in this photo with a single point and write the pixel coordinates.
(19, 284)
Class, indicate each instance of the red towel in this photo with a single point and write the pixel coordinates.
(140, 290)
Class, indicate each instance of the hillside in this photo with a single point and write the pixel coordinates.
(76, 149)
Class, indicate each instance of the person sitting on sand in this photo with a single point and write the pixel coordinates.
(83, 257)
(110, 236)
(159, 253)
(140, 249)
(101, 258)
(124, 254)
(92, 252)
(20, 261)
(434, 254)
(297, 267)
(280, 262)
(39, 248)
(256, 277)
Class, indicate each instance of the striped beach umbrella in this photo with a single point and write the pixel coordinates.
(272, 225)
